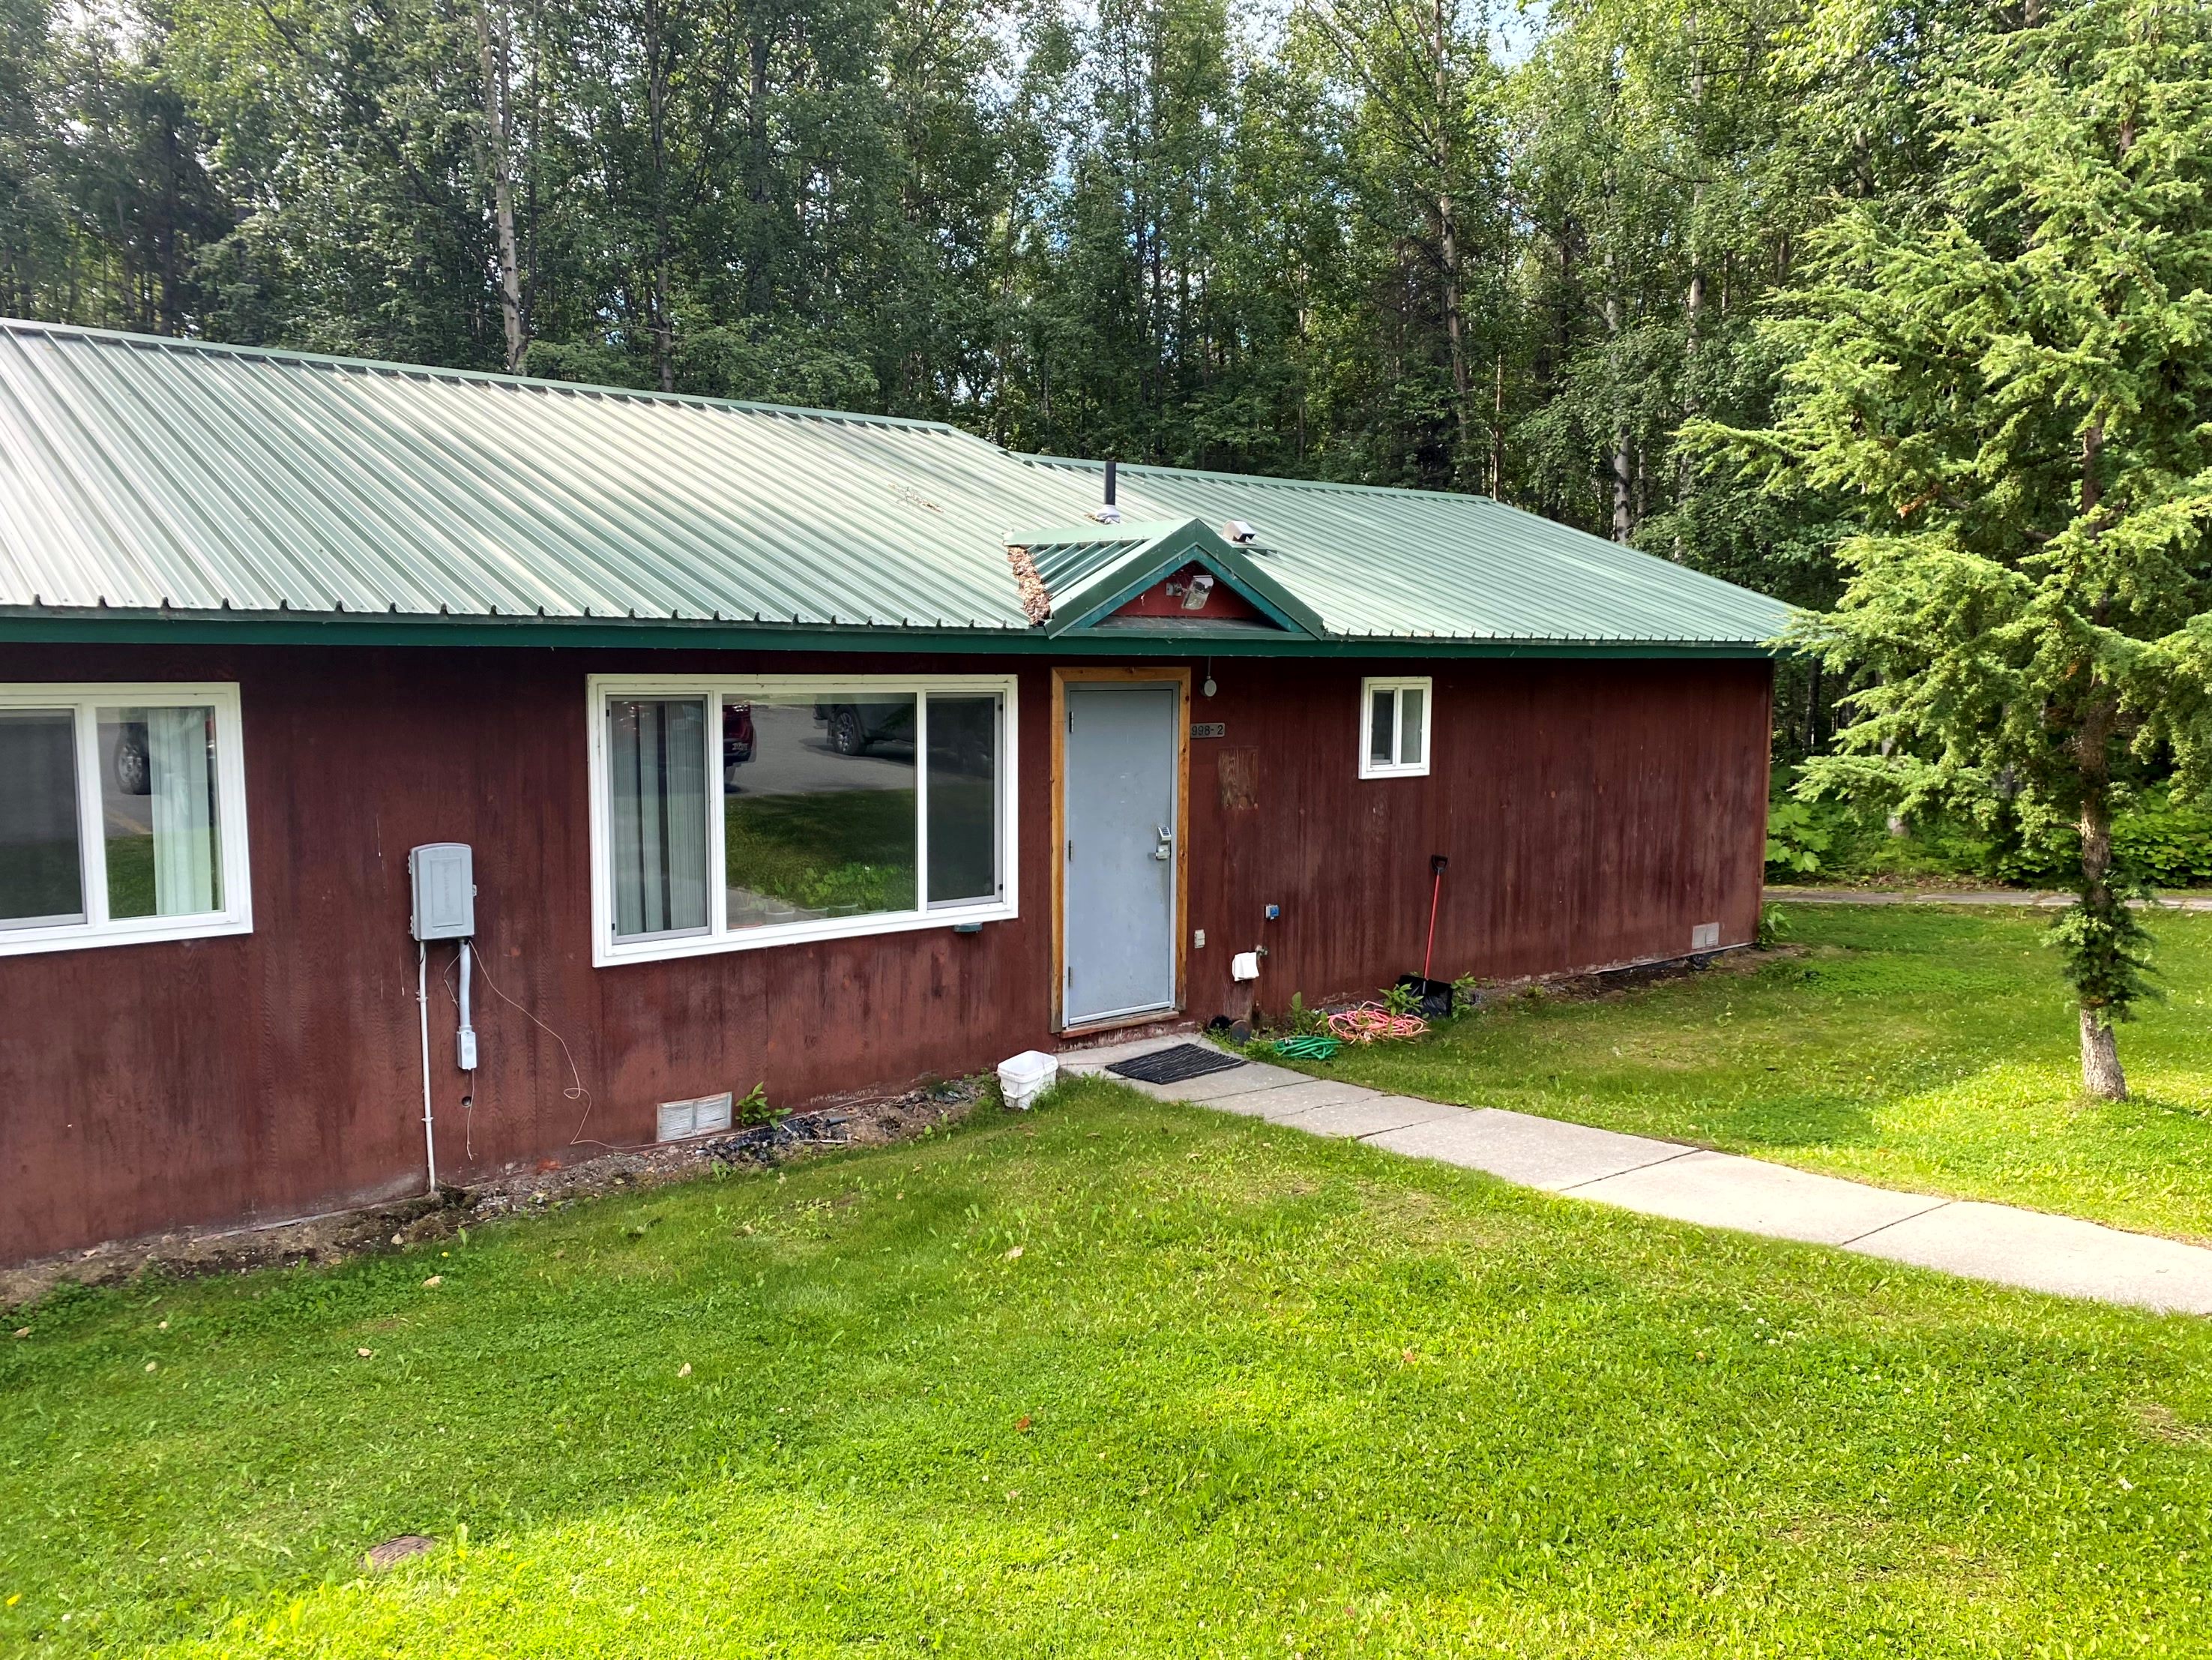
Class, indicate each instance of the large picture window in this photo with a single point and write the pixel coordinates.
(122, 815)
(737, 813)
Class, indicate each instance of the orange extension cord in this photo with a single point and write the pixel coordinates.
(1372, 1022)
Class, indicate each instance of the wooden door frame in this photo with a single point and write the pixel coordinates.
(1101, 675)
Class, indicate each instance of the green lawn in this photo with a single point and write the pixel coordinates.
(1117, 1379)
(845, 847)
(1917, 1047)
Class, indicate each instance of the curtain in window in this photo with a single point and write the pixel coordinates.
(181, 776)
(1410, 711)
(657, 752)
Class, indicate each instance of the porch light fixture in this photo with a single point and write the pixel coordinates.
(1196, 592)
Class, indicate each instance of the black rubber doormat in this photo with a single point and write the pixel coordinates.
(1173, 1065)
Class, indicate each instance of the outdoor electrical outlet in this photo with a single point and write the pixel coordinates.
(1274, 913)
(1198, 940)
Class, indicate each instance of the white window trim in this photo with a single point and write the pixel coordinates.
(1368, 767)
(85, 698)
(607, 951)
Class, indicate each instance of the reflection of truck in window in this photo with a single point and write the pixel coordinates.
(737, 739)
(134, 768)
(856, 728)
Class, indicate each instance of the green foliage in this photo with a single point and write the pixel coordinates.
(2010, 378)
(825, 1409)
(2156, 845)
(2105, 952)
(1796, 838)
(754, 1109)
(1399, 1000)
(1299, 1021)
(1773, 927)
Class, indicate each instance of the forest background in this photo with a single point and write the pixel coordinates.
(1410, 242)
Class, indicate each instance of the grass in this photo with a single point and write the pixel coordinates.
(853, 848)
(1116, 1378)
(1916, 1046)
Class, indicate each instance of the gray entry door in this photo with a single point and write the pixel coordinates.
(1120, 855)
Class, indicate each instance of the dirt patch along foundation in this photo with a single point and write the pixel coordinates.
(333, 1236)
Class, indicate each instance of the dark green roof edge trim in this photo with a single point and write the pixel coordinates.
(203, 628)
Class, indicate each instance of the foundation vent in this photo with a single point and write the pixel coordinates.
(1705, 936)
(702, 1117)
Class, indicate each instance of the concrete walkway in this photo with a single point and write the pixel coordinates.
(1715, 1189)
(2017, 896)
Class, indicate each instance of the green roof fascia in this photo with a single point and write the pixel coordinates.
(350, 628)
(1190, 542)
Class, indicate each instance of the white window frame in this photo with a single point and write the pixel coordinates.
(718, 937)
(1395, 685)
(84, 699)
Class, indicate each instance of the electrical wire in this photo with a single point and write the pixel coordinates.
(575, 1092)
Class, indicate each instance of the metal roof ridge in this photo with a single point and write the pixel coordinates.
(1272, 480)
(392, 367)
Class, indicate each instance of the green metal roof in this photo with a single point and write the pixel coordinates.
(1376, 561)
(168, 483)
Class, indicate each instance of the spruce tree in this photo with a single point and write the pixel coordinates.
(2010, 377)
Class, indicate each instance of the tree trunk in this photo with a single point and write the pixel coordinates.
(1623, 516)
(1448, 234)
(1498, 435)
(657, 70)
(491, 51)
(2101, 1058)
(759, 292)
(2100, 901)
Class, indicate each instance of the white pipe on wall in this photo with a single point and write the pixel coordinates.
(422, 1008)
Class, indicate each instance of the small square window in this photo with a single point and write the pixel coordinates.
(1394, 720)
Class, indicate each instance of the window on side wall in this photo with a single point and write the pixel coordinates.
(1394, 728)
(730, 814)
(122, 816)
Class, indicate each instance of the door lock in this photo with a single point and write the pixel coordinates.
(1165, 850)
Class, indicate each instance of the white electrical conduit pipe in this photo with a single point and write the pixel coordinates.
(464, 1043)
(422, 1008)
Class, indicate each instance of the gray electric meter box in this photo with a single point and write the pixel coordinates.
(444, 878)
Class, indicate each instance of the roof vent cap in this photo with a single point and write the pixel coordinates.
(1237, 531)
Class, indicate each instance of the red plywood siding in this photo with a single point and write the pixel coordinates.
(1593, 813)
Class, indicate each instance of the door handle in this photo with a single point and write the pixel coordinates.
(1165, 850)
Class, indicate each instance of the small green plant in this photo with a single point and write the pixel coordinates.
(1466, 994)
(1301, 1021)
(754, 1110)
(1796, 838)
(1399, 1001)
(1773, 927)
